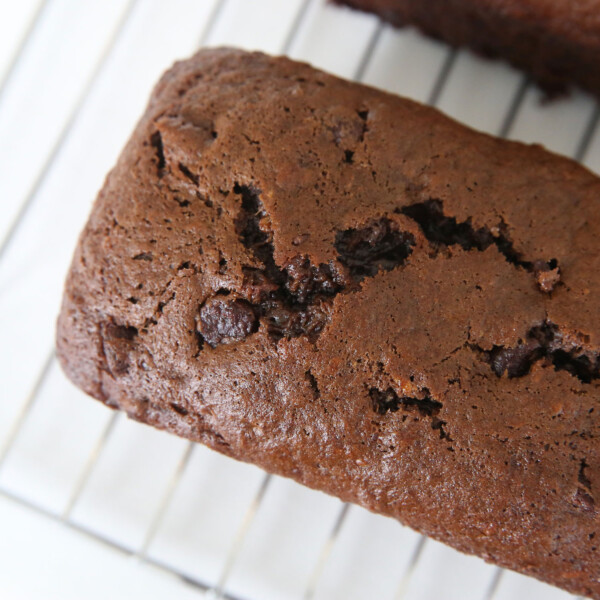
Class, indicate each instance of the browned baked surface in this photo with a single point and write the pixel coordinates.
(556, 41)
(349, 289)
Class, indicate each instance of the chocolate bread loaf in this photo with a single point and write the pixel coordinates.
(350, 289)
(556, 41)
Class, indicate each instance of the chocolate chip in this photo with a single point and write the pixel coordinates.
(305, 280)
(376, 246)
(285, 321)
(117, 343)
(225, 321)
(516, 362)
(291, 300)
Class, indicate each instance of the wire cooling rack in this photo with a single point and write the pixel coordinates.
(93, 505)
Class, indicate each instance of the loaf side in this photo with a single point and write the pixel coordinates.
(350, 289)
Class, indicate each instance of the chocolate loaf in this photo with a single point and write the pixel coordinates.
(349, 289)
(556, 41)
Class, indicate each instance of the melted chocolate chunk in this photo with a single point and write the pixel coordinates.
(516, 362)
(291, 299)
(442, 230)
(306, 281)
(377, 246)
(285, 321)
(223, 321)
(545, 342)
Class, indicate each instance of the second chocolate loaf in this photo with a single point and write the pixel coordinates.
(556, 41)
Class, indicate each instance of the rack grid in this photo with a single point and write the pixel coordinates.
(73, 78)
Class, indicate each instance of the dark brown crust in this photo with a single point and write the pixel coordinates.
(556, 42)
(349, 289)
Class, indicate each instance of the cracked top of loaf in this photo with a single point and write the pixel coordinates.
(352, 290)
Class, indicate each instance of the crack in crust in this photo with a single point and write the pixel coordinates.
(583, 494)
(546, 343)
(292, 301)
(442, 230)
(157, 143)
(388, 400)
(296, 300)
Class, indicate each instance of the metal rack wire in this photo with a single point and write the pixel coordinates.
(441, 82)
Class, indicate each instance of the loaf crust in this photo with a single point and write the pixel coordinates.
(352, 290)
(556, 42)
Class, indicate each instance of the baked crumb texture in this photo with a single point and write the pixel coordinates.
(349, 289)
(556, 42)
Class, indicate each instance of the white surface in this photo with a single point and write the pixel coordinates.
(242, 24)
(439, 571)
(65, 112)
(406, 63)
(42, 94)
(333, 39)
(479, 93)
(513, 585)
(124, 490)
(15, 28)
(42, 558)
(205, 514)
(279, 551)
(49, 454)
(368, 558)
(592, 157)
(559, 125)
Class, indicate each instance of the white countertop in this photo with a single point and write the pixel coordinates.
(95, 506)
